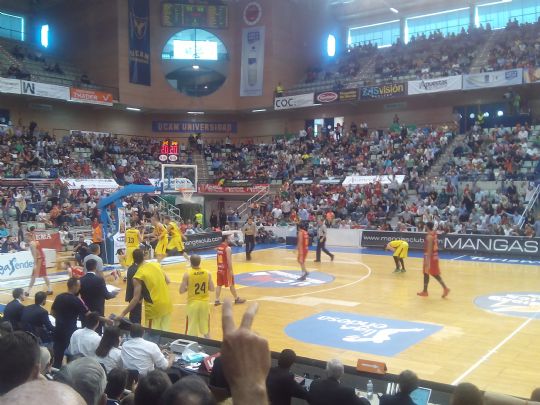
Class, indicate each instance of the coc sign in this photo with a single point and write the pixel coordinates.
(289, 102)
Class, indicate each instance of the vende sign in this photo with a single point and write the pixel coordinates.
(288, 102)
(90, 96)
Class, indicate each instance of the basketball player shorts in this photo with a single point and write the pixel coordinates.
(402, 251)
(161, 247)
(129, 256)
(197, 318)
(161, 323)
(223, 279)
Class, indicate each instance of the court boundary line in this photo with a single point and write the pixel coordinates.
(494, 350)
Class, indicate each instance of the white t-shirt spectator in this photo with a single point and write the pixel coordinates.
(523, 134)
(286, 207)
(276, 213)
(143, 356)
(112, 360)
(84, 341)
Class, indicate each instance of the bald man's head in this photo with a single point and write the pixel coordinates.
(34, 392)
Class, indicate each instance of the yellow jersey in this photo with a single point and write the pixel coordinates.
(173, 229)
(198, 285)
(397, 243)
(161, 232)
(132, 238)
(160, 304)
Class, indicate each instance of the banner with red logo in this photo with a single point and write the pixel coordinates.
(90, 96)
(217, 189)
(339, 96)
(49, 239)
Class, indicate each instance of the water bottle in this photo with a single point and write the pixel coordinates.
(369, 389)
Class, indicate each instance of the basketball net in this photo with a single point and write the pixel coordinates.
(187, 193)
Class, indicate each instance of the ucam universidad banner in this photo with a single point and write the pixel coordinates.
(139, 42)
(252, 65)
(500, 78)
(440, 84)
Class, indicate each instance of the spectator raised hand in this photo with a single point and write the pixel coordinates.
(246, 358)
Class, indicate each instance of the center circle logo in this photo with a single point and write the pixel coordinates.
(520, 304)
(282, 279)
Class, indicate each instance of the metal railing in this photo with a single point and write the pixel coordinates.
(244, 207)
(530, 206)
(171, 210)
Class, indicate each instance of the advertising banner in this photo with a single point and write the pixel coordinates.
(217, 189)
(298, 101)
(252, 65)
(340, 96)
(139, 42)
(531, 74)
(202, 240)
(16, 265)
(108, 185)
(363, 180)
(440, 84)
(12, 86)
(44, 90)
(49, 239)
(190, 127)
(382, 91)
(477, 244)
(493, 79)
(91, 96)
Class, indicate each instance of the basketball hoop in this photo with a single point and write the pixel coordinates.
(187, 193)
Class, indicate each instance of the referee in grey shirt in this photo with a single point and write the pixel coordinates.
(321, 241)
(250, 232)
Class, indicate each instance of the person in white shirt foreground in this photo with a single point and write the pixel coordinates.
(86, 340)
(142, 355)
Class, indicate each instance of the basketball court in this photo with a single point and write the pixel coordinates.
(486, 331)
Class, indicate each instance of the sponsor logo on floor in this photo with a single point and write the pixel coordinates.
(360, 333)
(520, 304)
(282, 279)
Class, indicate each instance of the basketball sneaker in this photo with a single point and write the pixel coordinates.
(239, 300)
(397, 271)
(422, 294)
(446, 292)
(403, 270)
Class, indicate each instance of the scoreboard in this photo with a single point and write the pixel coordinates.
(194, 15)
(169, 151)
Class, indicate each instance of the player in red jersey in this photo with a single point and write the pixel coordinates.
(431, 261)
(40, 268)
(302, 245)
(225, 275)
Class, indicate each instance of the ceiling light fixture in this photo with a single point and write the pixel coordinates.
(133, 109)
(393, 10)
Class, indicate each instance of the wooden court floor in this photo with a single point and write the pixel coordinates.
(494, 351)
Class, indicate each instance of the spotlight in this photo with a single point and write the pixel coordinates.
(471, 116)
(486, 114)
(500, 113)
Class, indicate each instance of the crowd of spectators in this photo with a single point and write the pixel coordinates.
(435, 55)
(336, 153)
(496, 154)
(27, 152)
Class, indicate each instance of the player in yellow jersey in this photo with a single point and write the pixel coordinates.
(160, 235)
(133, 241)
(150, 284)
(176, 243)
(197, 282)
(401, 250)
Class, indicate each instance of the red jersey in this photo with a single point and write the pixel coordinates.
(42, 271)
(222, 263)
(433, 265)
(302, 234)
